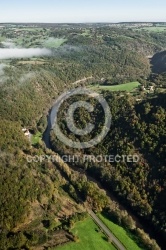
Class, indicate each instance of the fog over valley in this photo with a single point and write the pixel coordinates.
(82, 135)
(23, 53)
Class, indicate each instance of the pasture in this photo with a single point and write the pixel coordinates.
(155, 29)
(120, 233)
(89, 238)
(121, 87)
(53, 42)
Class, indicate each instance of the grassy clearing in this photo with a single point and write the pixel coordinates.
(120, 233)
(89, 238)
(86, 33)
(2, 39)
(32, 62)
(53, 42)
(121, 87)
(35, 139)
(155, 29)
(30, 29)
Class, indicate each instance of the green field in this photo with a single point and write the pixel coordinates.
(36, 138)
(31, 29)
(86, 32)
(121, 87)
(89, 238)
(2, 39)
(155, 29)
(120, 233)
(53, 42)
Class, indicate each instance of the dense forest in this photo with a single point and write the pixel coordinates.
(136, 129)
(39, 200)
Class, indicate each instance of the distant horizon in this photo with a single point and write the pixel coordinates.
(96, 22)
(82, 11)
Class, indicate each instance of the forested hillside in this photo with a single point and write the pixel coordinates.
(136, 129)
(40, 200)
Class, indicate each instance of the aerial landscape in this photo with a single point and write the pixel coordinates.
(82, 126)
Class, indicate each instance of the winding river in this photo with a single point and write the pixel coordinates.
(140, 222)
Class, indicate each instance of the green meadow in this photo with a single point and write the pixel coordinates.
(121, 234)
(121, 87)
(35, 139)
(89, 238)
(53, 42)
(155, 29)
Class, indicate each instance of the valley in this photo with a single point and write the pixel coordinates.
(44, 201)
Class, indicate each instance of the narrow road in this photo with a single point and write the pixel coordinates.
(140, 224)
(46, 139)
(106, 230)
(82, 80)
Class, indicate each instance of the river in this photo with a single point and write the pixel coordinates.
(140, 222)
